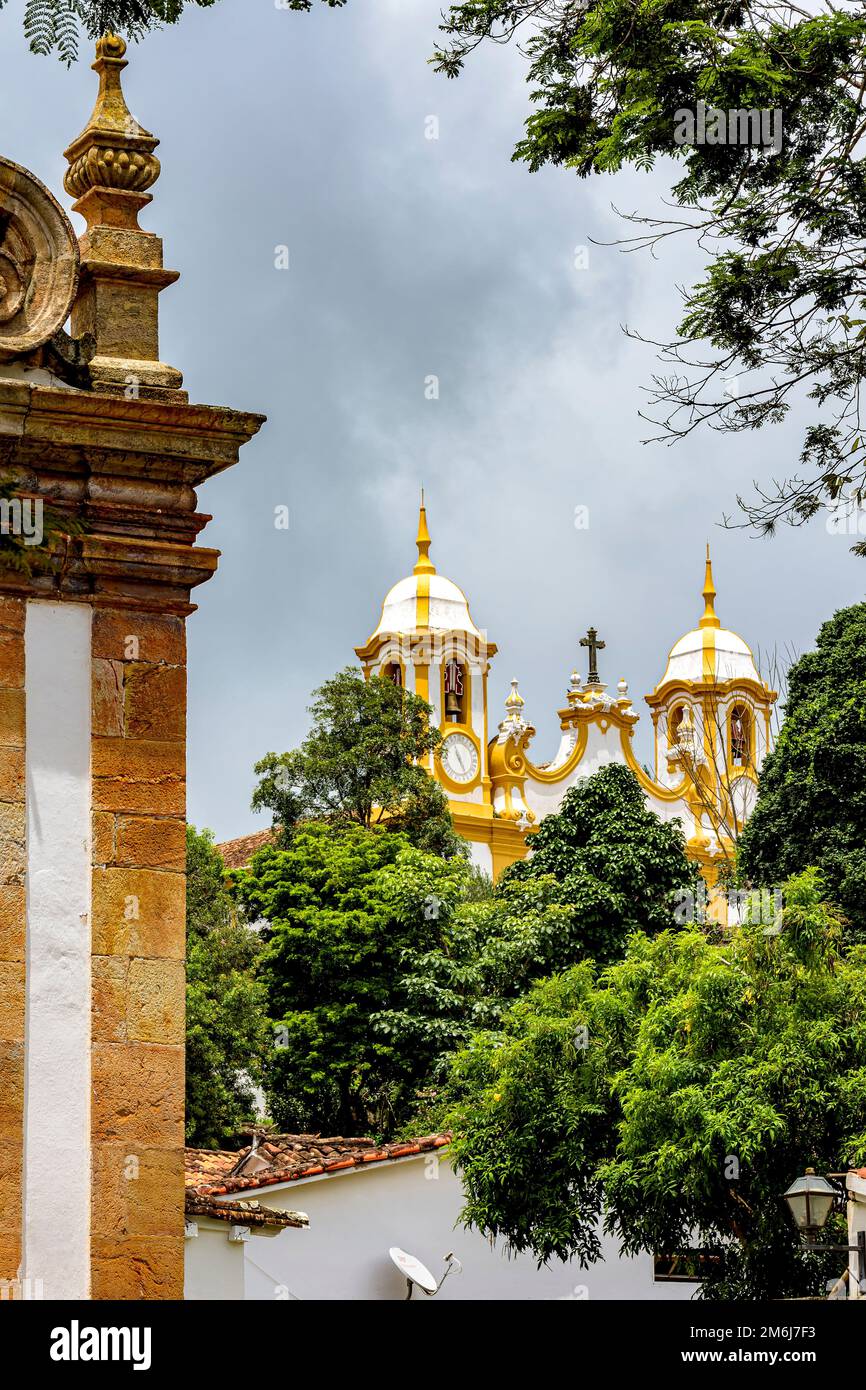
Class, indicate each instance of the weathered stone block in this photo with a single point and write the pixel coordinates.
(137, 1267)
(139, 912)
(11, 1000)
(12, 614)
(11, 1089)
(149, 842)
(11, 1157)
(126, 635)
(10, 1252)
(107, 698)
(156, 1001)
(137, 1192)
(11, 660)
(139, 775)
(155, 702)
(12, 836)
(138, 1095)
(11, 774)
(13, 921)
(109, 982)
(12, 718)
(103, 837)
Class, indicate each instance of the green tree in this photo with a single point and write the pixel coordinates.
(226, 1026)
(673, 1095)
(619, 868)
(811, 807)
(464, 960)
(53, 26)
(360, 765)
(332, 966)
(780, 305)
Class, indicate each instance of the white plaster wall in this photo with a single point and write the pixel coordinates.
(602, 747)
(355, 1217)
(213, 1265)
(57, 1056)
(856, 1222)
(482, 856)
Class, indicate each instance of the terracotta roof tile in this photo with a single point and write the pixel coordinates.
(241, 1213)
(236, 854)
(293, 1156)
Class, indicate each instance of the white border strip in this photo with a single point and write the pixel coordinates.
(57, 1048)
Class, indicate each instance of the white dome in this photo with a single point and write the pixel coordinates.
(444, 607)
(710, 653)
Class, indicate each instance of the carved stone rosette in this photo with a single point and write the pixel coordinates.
(38, 263)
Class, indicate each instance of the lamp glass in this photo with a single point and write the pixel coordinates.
(811, 1200)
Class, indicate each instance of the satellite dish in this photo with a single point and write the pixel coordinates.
(416, 1273)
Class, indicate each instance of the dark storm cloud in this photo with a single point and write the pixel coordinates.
(412, 258)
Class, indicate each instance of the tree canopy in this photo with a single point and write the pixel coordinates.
(361, 765)
(811, 807)
(53, 26)
(674, 1094)
(226, 1027)
(332, 968)
(618, 867)
(779, 311)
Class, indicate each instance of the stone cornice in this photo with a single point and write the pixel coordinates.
(126, 470)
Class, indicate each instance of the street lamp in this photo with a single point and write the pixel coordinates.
(811, 1199)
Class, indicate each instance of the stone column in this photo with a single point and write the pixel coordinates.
(98, 430)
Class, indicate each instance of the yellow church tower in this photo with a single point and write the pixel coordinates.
(711, 715)
(427, 642)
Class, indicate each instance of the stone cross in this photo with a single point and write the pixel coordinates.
(595, 646)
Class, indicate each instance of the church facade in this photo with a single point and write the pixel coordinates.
(711, 714)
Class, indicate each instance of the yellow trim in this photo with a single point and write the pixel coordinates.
(731, 685)
(422, 602)
(648, 783)
(424, 565)
(505, 840)
(391, 660)
(740, 768)
(708, 643)
(709, 596)
(548, 776)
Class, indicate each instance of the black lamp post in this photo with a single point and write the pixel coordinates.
(811, 1199)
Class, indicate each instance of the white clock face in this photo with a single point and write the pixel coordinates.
(459, 757)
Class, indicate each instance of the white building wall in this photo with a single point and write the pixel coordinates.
(413, 1203)
(856, 1186)
(213, 1265)
(58, 997)
(481, 856)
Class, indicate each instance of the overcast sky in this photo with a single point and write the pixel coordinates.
(412, 257)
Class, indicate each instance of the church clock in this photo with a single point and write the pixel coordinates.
(459, 757)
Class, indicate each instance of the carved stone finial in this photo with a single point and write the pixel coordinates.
(38, 263)
(111, 164)
(111, 167)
